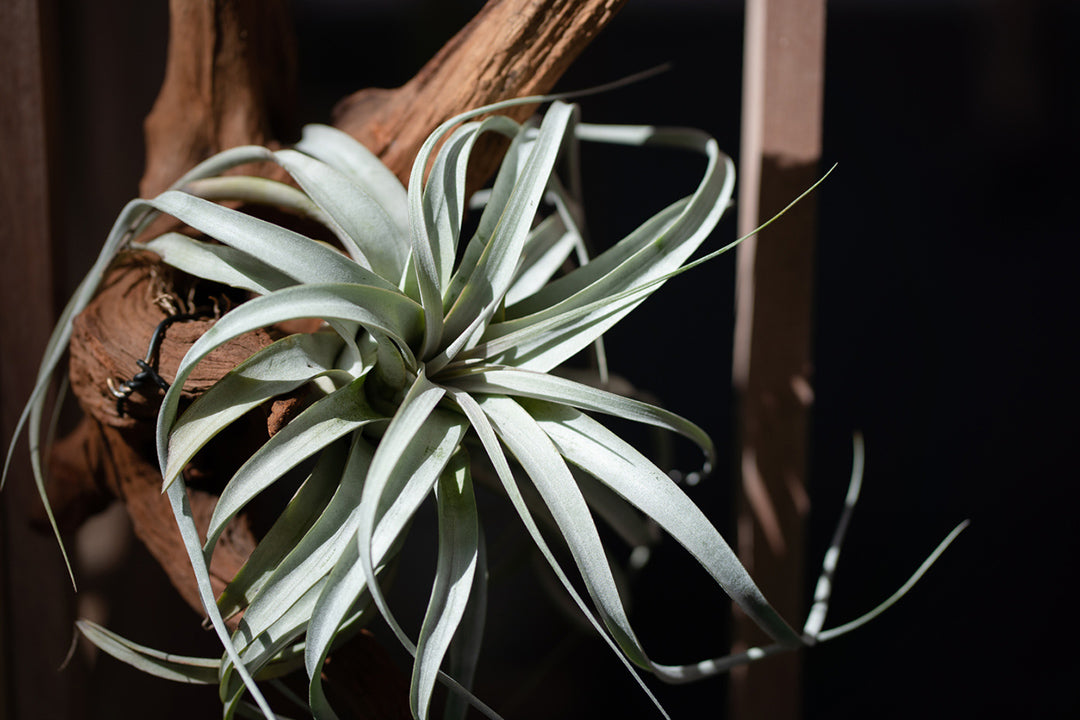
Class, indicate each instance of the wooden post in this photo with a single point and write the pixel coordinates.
(37, 601)
(772, 374)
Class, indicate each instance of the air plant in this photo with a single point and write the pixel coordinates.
(436, 364)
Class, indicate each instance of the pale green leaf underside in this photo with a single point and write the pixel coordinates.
(219, 263)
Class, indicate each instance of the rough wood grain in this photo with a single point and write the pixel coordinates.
(229, 80)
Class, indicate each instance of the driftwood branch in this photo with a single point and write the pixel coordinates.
(512, 48)
(229, 79)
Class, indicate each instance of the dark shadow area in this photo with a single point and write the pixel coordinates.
(946, 272)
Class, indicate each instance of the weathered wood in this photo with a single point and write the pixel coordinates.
(229, 80)
(121, 470)
(105, 351)
(772, 373)
(512, 48)
(36, 601)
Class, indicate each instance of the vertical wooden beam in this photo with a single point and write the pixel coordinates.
(781, 146)
(36, 609)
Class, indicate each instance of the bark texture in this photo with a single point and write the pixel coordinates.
(512, 48)
(230, 79)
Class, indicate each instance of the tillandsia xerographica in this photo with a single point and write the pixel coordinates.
(434, 358)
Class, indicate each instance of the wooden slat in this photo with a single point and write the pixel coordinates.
(772, 374)
(38, 600)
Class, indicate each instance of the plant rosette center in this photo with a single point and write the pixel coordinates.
(439, 353)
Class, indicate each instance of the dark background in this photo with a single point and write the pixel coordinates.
(946, 267)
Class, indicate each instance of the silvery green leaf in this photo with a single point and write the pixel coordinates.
(408, 460)
(444, 197)
(218, 263)
(571, 284)
(412, 454)
(259, 648)
(179, 668)
(456, 564)
(387, 311)
(903, 590)
(465, 647)
(185, 521)
(628, 523)
(275, 370)
(288, 251)
(546, 250)
(344, 191)
(504, 336)
(488, 283)
(444, 193)
(533, 449)
(423, 263)
(298, 517)
(316, 427)
(256, 191)
(341, 151)
(223, 161)
(319, 550)
(823, 590)
(364, 228)
(435, 217)
(344, 594)
(314, 579)
(659, 253)
(485, 430)
(494, 205)
(426, 272)
(31, 417)
(344, 590)
(543, 386)
(595, 449)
